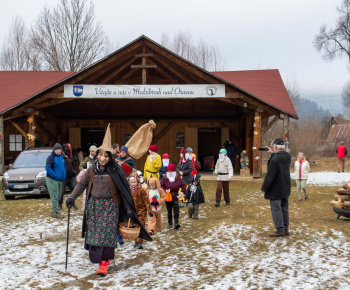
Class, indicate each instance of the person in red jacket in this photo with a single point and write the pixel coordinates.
(341, 151)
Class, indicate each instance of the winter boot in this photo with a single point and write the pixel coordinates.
(60, 206)
(227, 203)
(177, 226)
(57, 215)
(171, 225)
(306, 196)
(140, 246)
(217, 203)
(102, 269)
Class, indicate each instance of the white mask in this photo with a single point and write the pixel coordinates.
(171, 176)
(165, 162)
(221, 157)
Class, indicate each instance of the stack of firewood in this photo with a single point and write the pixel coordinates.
(342, 198)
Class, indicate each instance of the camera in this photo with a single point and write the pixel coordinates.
(264, 149)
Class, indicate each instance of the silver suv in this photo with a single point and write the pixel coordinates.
(27, 174)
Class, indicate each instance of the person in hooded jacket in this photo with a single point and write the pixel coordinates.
(277, 187)
(70, 173)
(195, 196)
(55, 174)
(109, 202)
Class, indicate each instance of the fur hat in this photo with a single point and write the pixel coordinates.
(165, 156)
(124, 148)
(93, 148)
(153, 148)
(57, 146)
(107, 142)
(171, 167)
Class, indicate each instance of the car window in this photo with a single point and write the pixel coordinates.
(34, 159)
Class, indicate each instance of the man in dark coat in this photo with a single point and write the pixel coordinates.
(276, 187)
(232, 151)
(71, 174)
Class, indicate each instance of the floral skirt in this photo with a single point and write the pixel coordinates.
(102, 222)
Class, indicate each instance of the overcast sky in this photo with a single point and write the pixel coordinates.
(251, 34)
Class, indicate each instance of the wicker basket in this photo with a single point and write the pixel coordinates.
(128, 230)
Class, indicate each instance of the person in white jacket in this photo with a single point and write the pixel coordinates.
(301, 171)
(224, 172)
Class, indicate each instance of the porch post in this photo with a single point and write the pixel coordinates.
(2, 149)
(286, 132)
(31, 131)
(257, 144)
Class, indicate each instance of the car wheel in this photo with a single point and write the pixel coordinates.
(9, 197)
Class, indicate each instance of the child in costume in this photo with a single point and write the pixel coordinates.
(157, 198)
(153, 163)
(172, 181)
(224, 172)
(195, 196)
(142, 203)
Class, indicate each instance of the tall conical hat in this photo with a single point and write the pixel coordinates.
(107, 142)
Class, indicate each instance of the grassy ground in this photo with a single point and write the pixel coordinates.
(248, 211)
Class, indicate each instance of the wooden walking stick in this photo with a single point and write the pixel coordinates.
(67, 239)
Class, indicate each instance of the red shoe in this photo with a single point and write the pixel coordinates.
(102, 269)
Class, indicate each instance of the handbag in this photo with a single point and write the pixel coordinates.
(168, 197)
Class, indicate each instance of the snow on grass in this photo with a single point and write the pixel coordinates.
(221, 258)
(326, 178)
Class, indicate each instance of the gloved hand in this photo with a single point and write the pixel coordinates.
(150, 214)
(130, 215)
(69, 202)
(153, 203)
(156, 203)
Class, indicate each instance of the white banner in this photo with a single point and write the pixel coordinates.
(144, 91)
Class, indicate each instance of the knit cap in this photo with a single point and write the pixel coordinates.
(57, 146)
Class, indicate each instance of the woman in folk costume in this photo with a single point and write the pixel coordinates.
(156, 196)
(153, 163)
(301, 172)
(142, 203)
(109, 202)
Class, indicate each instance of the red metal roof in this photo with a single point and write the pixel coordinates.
(17, 86)
(339, 133)
(266, 85)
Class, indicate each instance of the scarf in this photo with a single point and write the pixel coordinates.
(171, 176)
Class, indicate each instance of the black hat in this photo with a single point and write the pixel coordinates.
(278, 142)
(57, 146)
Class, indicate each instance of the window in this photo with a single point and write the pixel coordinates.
(180, 140)
(16, 142)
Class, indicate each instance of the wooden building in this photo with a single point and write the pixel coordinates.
(161, 86)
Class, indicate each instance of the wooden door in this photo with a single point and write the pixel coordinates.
(225, 134)
(75, 137)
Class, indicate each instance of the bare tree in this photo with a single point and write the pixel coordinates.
(68, 36)
(201, 53)
(17, 53)
(336, 42)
